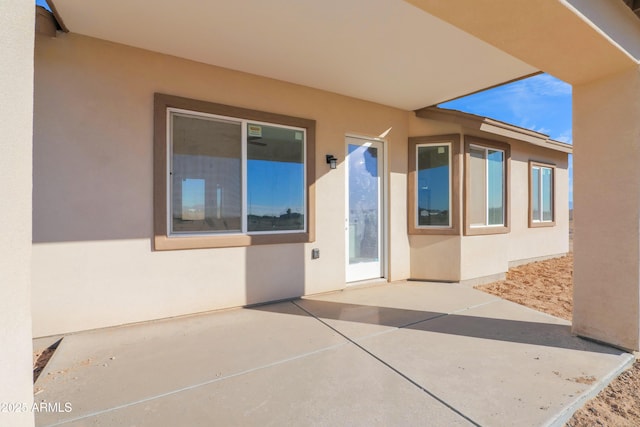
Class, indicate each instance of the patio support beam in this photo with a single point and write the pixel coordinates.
(555, 36)
(17, 22)
(607, 209)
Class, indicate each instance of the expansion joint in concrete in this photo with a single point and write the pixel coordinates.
(395, 370)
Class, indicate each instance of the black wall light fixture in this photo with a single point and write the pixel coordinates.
(332, 161)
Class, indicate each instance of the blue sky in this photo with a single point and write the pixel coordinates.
(541, 103)
(42, 3)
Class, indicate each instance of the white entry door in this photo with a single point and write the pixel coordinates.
(364, 219)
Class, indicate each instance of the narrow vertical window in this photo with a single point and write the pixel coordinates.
(547, 194)
(477, 169)
(433, 185)
(486, 177)
(487, 186)
(495, 187)
(541, 193)
(535, 193)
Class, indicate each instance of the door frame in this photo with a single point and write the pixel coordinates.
(384, 208)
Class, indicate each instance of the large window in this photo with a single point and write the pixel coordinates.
(433, 184)
(486, 179)
(232, 177)
(542, 194)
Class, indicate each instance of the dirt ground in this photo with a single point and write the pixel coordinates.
(548, 286)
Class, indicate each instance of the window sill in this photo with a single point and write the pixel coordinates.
(165, 243)
(486, 230)
(540, 224)
(418, 231)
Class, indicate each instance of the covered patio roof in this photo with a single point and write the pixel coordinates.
(388, 52)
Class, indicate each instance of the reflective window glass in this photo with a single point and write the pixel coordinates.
(486, 169)
(275, 178)
(206, 174)
(434, 185)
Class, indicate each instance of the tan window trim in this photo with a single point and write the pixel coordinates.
(537, 224)
(478, 231)
(454, 140)
(161, 239)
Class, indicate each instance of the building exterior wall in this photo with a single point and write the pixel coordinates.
(16, 127)
(529, 243)
(462, 257)
(93, 194)
(436, 258)
(522, 243)
(483, 256)
(93, 190)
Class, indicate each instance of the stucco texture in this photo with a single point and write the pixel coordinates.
(93, 194)
(93, 190)
(607, 248)
(462, 257)
(16, 109)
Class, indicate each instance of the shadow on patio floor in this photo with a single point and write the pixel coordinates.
(554, 333)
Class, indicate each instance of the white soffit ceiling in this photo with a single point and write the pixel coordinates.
(385, 51)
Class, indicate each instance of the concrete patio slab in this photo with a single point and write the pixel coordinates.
(338, 386)
(411, 295)
(107, 368)
(399, 354)
(361, 312)
(500, 364)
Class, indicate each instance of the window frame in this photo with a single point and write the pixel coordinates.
(541, 223)
(163, 240)
(453, 140)
(472, 141)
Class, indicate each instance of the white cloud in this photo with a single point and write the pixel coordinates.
(566, 136)
(546, 85)
(541, 103)
(543, 130)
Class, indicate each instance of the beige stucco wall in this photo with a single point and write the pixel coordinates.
(607, 220)
(522, 242)
(454, 258)
(436, 257)
(16, 109)
(92, 254)
(483, 256)
(93, 190)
